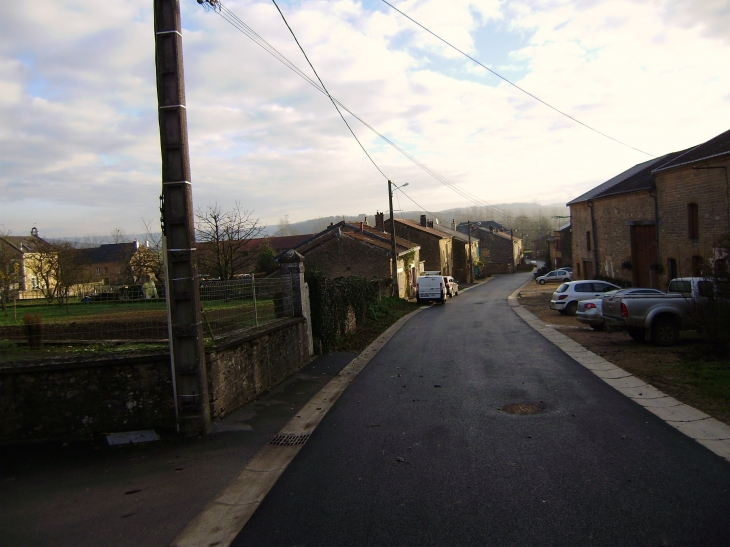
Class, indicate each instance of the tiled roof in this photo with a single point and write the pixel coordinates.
(452, 233)
(638, 177)
(24, 244)
(111, 252)
(415, 225)
(370, 235)
(716, 146)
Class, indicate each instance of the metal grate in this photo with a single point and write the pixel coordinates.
(522, 409)
(289, 440)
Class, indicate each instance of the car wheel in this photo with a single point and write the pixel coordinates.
(664, 332)
(636, 333)
(571, 308)
(598, 327)
(542, 282)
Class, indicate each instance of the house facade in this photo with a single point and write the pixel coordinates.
(660, 219)
(560, 247)
(356, 249)
(24, 259)
(500, 251)
(461, 252)
(108, 264)
(435, 246)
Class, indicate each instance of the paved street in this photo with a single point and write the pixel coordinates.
(417, 452)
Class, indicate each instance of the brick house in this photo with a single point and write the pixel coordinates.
(435, 246)
(460, 252)
(684, 193)
(356, 249)
(499, 250)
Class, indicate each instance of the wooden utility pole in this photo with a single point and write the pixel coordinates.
(471, 260)
(394, 254)
(187, 345)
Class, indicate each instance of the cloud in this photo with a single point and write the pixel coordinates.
(79, 143)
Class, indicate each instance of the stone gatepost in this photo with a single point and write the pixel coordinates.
(292, 267)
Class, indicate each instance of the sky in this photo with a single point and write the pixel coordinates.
(79, 138)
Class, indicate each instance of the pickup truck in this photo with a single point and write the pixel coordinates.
(659, 318)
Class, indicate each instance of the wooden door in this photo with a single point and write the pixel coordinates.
(643, 256)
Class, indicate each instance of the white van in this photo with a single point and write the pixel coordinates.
(430, 288)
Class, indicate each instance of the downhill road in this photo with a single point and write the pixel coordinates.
(417, 452)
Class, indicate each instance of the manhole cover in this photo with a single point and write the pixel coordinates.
(289, 440)
(521, 409)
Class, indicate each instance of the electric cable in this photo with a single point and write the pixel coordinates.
(241, 26)
(512, 83)
(328, 93)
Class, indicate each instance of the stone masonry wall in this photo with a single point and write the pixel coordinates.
(61, 399)
(675, 190)
(345, 257)
(245, 367)
(613, 233)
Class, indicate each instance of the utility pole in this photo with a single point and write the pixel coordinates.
(394, 254)
(471, 260)
(187, 347)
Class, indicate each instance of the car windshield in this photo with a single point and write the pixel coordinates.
(563, 288)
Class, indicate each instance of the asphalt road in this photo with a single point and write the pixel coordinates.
(417, 452)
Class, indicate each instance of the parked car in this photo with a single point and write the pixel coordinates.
(660, 317)
(556, 276)
(452, 287)
(430, 288)
(542, 270)
(589, 312)
(566, 298)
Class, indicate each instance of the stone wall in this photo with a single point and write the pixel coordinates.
(345, 257)
(69, 399)
(243, 368)
(613, 218)
(61, 399)
(675, 190)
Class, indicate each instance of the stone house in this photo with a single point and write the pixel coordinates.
(500, 251)
(356, 249)
(20, 255)
(435, 246)
(660, 219)
(108, 264)
(540, 247)
(560, 247)
(460, 252)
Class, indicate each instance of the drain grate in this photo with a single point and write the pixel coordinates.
(289, 440)
(521, 409)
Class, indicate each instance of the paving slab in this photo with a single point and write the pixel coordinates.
(678, 413)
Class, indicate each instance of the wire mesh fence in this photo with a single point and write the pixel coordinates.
(137, 315)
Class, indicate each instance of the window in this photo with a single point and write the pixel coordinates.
(98, 270)
(106, 270)
(584, 287)
(34, 282)
(672, 268)
(705, 288)
(698, 264)
(680, 286)
(588, 241)
(693, 221)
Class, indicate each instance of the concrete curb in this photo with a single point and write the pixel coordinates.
(697, 425)
(221, 521)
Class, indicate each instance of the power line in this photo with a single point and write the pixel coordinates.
(241, 26)
(328, 93)
(512, 83)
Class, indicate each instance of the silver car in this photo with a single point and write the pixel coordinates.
(590, 312)
(566, 298)
(556, 276)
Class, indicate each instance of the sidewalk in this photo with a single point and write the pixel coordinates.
(90, 494)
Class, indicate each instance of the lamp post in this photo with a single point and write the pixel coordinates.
(394, 254)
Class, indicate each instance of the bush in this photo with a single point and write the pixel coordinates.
(331, 301)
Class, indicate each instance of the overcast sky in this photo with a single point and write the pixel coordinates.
(79, 142)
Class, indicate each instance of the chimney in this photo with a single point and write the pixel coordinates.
(429, 224)
(362, 227)
(379, 222)
(147, 243)
(136, 243)
(366, 221)
(453, 224)
(423, 221)
(491, 228)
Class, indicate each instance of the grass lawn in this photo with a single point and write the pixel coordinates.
(390, 310)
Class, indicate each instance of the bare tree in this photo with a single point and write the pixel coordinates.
(118, 235)
(226, 236)
(285, 229)
(57, 268)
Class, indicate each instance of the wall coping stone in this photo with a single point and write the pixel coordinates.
(234, 341)
(76, 362)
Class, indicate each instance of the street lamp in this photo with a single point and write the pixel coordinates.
(394, 254)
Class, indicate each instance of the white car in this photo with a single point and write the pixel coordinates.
(430, 288)
(590, 312)
(566, 298)
(452, 287)
(556, 276)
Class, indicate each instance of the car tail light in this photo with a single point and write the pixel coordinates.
(589, 306)
(624, 311)
(562, 297)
